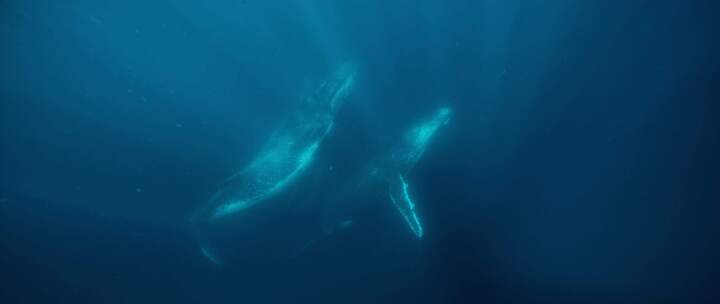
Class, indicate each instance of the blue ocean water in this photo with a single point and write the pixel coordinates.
(578, 164)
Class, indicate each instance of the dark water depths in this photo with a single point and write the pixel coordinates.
(580, 164)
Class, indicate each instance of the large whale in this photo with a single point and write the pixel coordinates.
(285, 156)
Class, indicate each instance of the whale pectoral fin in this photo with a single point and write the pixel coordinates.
(207, 251)
(400, 197)
(210, 254)
(345, 224)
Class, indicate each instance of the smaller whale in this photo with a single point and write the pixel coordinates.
(386, 178)
(403, 159)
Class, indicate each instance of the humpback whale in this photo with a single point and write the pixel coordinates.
(403, 159)
(284, 157)
(385, 179)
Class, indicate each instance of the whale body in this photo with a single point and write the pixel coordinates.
(403, 159)
(386, 178)
(285, 156)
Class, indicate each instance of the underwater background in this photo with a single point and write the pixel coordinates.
(580, 164)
